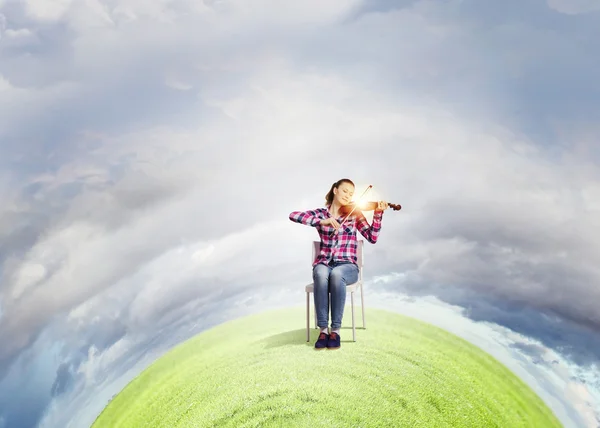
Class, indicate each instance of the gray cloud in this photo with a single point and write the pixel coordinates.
(25, 394)
(64, 380)
(504, 251)
(577, 343)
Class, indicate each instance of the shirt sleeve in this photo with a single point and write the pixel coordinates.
(310, 218)
(370, 232)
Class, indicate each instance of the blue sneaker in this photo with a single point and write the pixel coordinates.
(334, 341)
(321, 343)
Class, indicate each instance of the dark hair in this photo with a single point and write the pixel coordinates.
(329, 195)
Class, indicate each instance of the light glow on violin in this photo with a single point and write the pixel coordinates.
(357, 202)
(362, 204)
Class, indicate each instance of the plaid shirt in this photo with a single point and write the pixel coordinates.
(340, 247)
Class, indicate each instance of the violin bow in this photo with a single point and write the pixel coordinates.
(355, 205)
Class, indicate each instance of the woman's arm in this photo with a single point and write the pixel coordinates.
(310, 218)
(370, 232)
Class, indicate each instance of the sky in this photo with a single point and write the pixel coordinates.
(150, 153)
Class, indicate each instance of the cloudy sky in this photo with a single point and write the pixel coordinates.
(150, 153)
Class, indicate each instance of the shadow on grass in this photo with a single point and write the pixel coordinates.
(298, 338)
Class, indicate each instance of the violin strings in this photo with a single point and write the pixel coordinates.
(356, 204)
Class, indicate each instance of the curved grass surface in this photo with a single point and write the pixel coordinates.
(259, 371)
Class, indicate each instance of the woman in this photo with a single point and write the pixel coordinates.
(335, 265)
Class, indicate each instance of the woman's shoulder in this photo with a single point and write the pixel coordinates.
(320, 212)
(316, 210)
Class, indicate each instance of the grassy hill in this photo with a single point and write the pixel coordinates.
(260, 371)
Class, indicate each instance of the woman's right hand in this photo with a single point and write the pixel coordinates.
(331, 222)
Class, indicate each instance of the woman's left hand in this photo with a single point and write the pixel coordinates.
(382, 206)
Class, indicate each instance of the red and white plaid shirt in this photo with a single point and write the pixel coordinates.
(340, 247)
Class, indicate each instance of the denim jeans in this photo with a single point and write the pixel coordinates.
(332, 279)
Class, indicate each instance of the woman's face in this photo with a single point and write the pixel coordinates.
(344, 193)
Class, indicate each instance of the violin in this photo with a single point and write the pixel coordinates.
(364, 206)
(359, 206)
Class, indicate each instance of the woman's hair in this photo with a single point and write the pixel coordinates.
(329, 195)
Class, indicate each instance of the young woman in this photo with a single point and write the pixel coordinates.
(335, 265)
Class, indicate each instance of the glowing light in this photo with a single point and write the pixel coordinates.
(371, 195)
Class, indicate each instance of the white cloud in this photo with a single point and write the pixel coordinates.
(175, 83)
(4, 84)
(15, 39)
(580, 395)
(28, 275)
(95, 367)
(166, 11)
(141, 197)
(574, 7)
(280, 14)
(90, 15)
(18, 34)
(47, 10)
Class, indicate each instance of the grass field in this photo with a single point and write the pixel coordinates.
(260, 371)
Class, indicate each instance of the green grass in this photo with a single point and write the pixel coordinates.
(259, 371)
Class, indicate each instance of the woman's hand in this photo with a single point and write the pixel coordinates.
(382, 206)
(330, 221)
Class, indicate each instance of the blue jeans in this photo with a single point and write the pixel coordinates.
(332, 279)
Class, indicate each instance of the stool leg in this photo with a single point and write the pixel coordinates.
(315, 317)
(362, 302)
(307, 317)
(353, 323)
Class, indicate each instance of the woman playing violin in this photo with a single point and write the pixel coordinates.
(336, 264)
